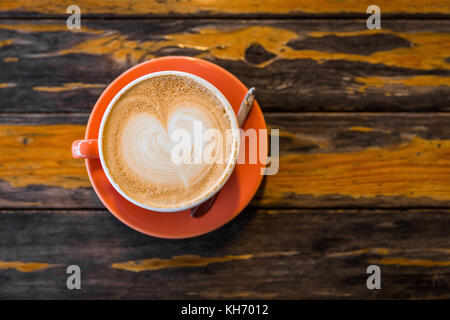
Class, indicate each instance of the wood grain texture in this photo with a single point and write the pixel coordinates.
(326, 160)
(304, 254)
(364, 143)
(23, 267)
(199, 8)
(304, 65)
(175, 262)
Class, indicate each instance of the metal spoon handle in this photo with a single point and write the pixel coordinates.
(242, 114)
(245, 107)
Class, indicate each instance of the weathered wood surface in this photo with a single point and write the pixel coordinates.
(303, 254)
(222, 8)
(326, 160)
(365, 150)
(295, 65)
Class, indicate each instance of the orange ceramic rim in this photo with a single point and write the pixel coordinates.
(235, 194)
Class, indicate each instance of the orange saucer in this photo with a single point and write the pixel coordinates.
(230, 201)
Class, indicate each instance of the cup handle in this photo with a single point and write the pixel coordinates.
(83, 149)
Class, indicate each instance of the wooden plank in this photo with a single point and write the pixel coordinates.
(220, 8)
(304, 254)
(295, 65)
(326, 160)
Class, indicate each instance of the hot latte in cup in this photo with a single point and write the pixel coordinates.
(149, 123)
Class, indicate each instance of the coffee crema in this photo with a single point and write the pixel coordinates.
(137, 141)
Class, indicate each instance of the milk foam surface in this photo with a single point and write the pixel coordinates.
(137, 141)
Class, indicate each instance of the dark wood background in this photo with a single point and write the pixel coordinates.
(365, 150)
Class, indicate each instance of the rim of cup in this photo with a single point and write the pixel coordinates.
(231, 161)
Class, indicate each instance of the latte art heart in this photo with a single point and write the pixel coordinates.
(139, 145)
(147, 146)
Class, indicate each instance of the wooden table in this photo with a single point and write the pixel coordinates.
(365, 150)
